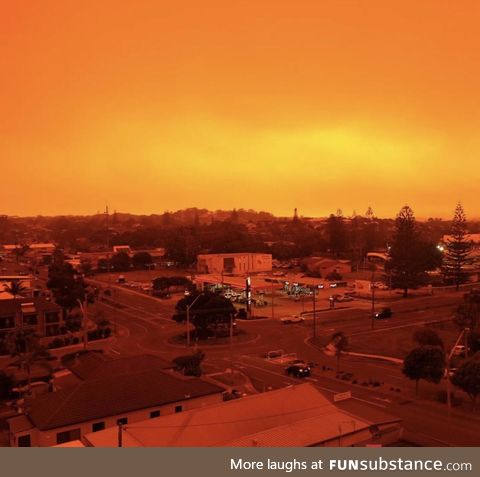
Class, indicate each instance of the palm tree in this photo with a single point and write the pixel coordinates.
(26, 348)
(340, 341)
(15, 288)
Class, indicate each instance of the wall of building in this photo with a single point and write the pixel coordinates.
(234, 263)
(49, 438)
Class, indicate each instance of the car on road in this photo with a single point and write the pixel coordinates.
(459, 350)
(289, 320)
(299, 370)
(449, 373)
(342, 298)
(384, 314)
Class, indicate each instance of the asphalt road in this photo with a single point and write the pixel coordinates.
(144, 324)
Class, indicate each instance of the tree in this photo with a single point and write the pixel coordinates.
(336, 233)
(15, 288)
(467, 378)
(457, 250)
(467, 313)
(208, 312)
(424, 362)
(190, 364)
(474, 342)
(427, 337)
(6, 385)
(406, 264)
(121, 262)
(67, 288)
(340, 342)
(26, 348)
(142, 260)
(163, 284)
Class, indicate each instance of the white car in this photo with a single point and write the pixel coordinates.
(288, 320)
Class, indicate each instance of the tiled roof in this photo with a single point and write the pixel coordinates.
(114, 395)
(97, 366)
(13, 306)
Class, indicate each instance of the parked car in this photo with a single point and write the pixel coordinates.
(121, 279)
(384, 314)
(299, 370)
(288, 320)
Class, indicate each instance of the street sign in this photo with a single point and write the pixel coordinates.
(342, 396)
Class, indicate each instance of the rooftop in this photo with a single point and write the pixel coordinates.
(294, 416)
(94, 365)
(39, 304)
(113, 395)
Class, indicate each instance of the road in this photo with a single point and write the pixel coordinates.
(144, 325)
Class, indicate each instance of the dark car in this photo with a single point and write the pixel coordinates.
(299, 370)
(384, 314)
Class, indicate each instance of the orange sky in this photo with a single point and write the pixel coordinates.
(154, 105)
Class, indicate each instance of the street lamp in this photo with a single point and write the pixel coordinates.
(188, 319)
(83, 309)
(372, 291)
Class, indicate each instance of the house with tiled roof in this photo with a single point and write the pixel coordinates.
(107, 400)
(36, 314)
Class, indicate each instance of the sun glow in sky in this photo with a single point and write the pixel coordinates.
(155, 105)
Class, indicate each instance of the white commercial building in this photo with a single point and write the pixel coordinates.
(234, 263)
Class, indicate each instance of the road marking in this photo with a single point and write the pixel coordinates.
(312, 379)
(323, 388)
(115, 351)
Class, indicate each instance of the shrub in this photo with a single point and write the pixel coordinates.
(56, 343)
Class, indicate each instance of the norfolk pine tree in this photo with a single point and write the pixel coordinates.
(457, 250)
(406, 263)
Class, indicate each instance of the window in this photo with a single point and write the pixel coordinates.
(7, 322)
(122, 421)
(154, 414)
(52, 317)
(98, 426)
(178, 408)
(30, 319)
(25, 441)
(67, 436)
(52, 330)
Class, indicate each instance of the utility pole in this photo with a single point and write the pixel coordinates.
(273, 312)
(372, 291)
(188, 320)
(83, 309)
(463, 334)
(120, 435)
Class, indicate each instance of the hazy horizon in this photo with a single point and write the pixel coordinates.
(319, 106)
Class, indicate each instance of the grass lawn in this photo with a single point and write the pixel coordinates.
(398, 342)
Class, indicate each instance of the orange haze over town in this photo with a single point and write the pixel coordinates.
(270, 105)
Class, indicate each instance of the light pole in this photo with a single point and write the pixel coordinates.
(273, 312)
(372, 290)
(314, 315)
(83, 309)
(188, 319)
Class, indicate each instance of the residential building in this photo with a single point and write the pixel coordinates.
(234, 263)
(37, 314)
(102, 403)
(296, 416)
